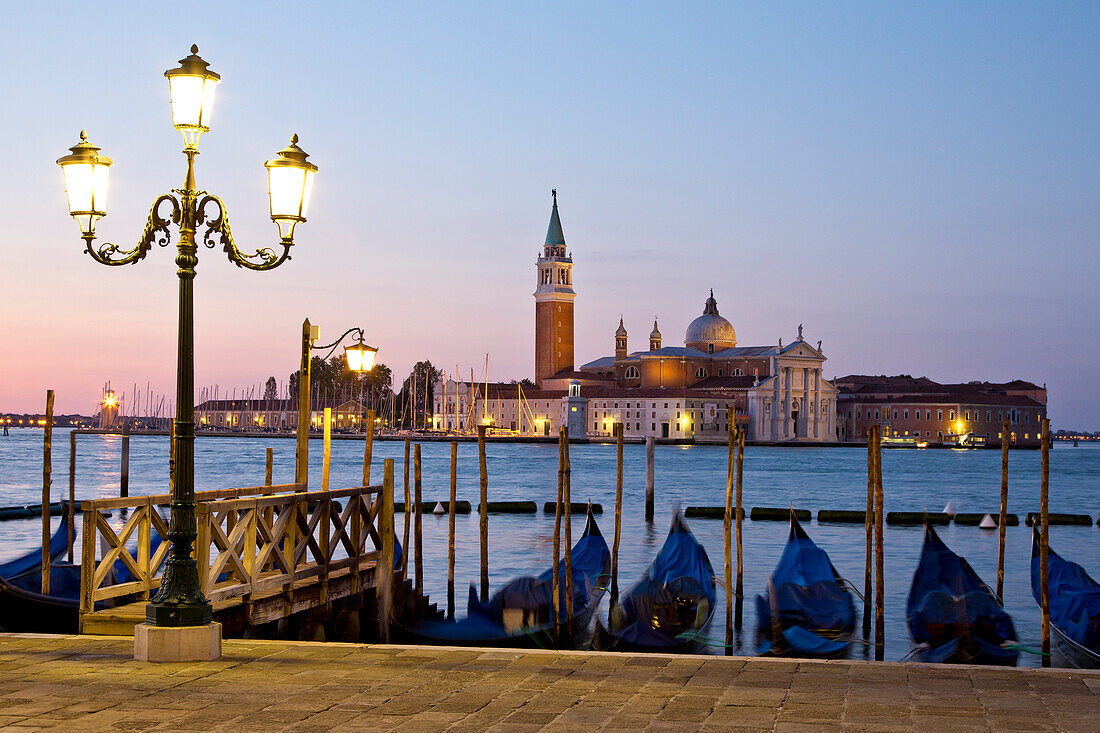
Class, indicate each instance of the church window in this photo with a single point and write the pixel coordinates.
(653, 426)
(988, 415)
(719, 372)
(895, 414)
(637, 426)
(1027, 418)
(939, 414)
(927, 414)
(710, 348)
(737, 373)
(951, 415)
(632, 372)
(876, 414)
(907, 414)
(700, 373)
(666, 405)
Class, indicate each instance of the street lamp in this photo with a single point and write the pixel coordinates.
(179, 602)
(360, 359)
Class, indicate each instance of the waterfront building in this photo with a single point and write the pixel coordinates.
(684, 392)
(940, 413)
(277, 414)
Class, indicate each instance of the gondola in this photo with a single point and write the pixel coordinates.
(953, 616)
(520, 614)
(671, 607)
(805, 611)
(23, 606)
(1074, 607)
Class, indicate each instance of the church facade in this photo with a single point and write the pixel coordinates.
(690, 392)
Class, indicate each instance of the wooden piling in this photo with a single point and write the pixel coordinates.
(618, 512)
(649, 443)
(868, 525)
(879, 580)
(727, 539)
(567, 521)
(1003, 516)
(407, 513)
(124, 474)
(555, 572)
(328, 449)
(47, 478)
(483, 510)
(385, 570)
(269, 467)
(738, 518)
(451, 534)
(1044, 541)
(368, 448)
(418, 537)
(72, 492)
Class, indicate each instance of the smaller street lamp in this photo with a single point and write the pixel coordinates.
(360, 359)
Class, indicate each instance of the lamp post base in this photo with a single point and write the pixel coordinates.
(177, 643)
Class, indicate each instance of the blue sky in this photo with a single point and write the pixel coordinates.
(917, 183)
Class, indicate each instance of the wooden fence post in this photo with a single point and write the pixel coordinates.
(385, 570)
(368, 448)
(618, 512)
(1044, 541)
(328, 449)
(1003, 517)
(484, 512)
(47, 479)
(408, 514)
(451, 534)
(417, 522)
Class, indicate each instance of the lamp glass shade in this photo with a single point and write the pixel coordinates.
(86, 175)
(360, 357)
(289, 187)
(192, 101)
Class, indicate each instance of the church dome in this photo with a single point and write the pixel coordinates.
(710, 332)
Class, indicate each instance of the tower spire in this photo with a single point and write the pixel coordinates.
(554, 235)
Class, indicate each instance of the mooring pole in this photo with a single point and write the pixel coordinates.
(727, 539)
(368, 448)
(451, 533)
(483, 510)
(738, 518)
(47, 479)
(269, 466)
(385, 571)
(328, 449)
(1002, 519)
(649, 442)
(1044, 541)
(618, 512)
(567, 520)
(417, 522)
(880, 594)
(408, 514)
(555, 572)
(72, 492)
(124, 477)
(868, 525)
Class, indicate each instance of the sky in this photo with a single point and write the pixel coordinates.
(916, 183)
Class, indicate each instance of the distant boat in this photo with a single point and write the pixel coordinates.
(805, 612)
(1074, 606)
(900, 441)
(521, 612)
(953, 616)
(671, 607)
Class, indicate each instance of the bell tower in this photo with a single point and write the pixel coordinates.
(554, 298)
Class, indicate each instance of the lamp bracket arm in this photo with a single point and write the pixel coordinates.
(156, 230)
(332, 347)
(219, 232)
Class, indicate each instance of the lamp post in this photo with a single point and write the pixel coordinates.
(179, 602)
(360, 359)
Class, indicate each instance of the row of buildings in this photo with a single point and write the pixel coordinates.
(692, 392)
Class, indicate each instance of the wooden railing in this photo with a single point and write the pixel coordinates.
(97, 583)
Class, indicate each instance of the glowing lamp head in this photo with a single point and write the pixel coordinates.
(86, 173)
(289, 185)
(192, 86)
(360, 356)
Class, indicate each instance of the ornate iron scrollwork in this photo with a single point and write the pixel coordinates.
(156, 230)
(218, 231)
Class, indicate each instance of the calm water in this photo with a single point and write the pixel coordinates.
(811, 478)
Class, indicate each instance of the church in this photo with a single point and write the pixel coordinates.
(684, 393)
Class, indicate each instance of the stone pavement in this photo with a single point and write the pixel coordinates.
(93, 683)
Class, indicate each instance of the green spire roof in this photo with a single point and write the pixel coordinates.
(554, 233)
